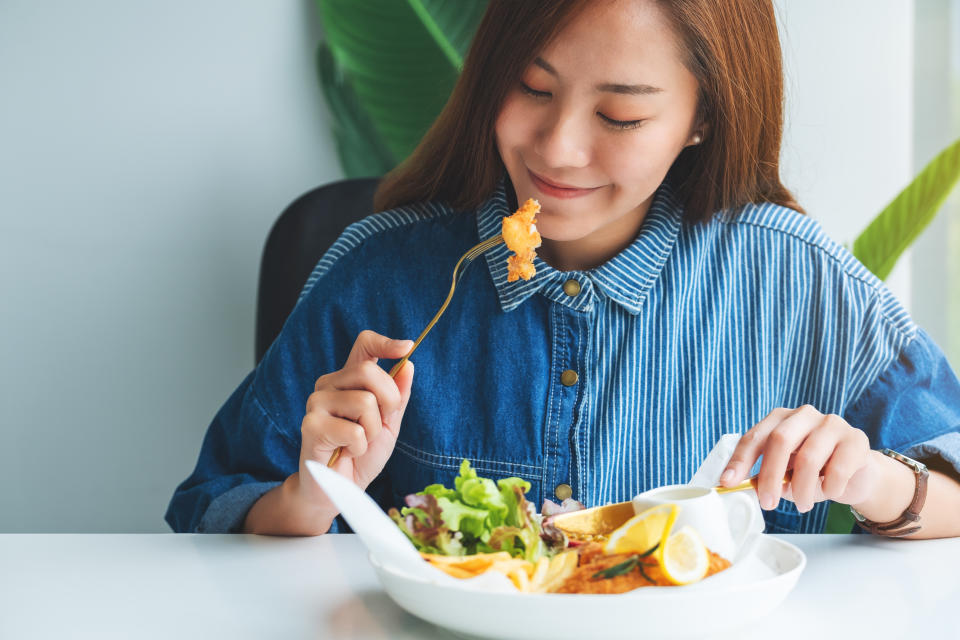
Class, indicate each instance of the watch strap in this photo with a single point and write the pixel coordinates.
(910, 515)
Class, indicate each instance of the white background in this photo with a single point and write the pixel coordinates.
(145, 151)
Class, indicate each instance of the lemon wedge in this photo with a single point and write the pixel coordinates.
(684, 557)
(643, 531)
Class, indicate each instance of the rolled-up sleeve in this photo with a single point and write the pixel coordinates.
(243, 456)
(253, 442)
(913, 407)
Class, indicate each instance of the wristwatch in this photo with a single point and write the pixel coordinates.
(911, 514)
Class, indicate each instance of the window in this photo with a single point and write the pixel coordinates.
(935, 256)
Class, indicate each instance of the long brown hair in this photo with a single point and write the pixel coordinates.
(732, 49)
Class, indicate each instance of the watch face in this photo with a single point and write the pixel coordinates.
(918, 467)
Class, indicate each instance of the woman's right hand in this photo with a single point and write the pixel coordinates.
(359, 408)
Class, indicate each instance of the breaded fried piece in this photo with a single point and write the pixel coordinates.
(520, 234)
(592, 560)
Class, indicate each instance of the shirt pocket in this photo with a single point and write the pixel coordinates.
(410, 469)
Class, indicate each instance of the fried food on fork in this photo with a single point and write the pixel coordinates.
(520, 234)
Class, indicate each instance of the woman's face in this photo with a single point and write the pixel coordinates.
(594, 126)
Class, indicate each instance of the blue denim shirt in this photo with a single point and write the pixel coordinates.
(691, 332)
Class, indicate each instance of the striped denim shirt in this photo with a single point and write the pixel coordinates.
(691, 332)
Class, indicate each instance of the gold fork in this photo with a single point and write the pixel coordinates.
(458, 272)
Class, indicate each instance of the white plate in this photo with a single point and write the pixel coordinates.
(733, 598)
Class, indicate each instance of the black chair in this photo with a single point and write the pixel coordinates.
(297, 241)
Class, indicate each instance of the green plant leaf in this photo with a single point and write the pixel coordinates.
(391, 68)
(839, 519)
(360, 148)
(893, 230)
(452, 24)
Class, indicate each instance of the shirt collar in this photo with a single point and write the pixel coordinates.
(625, 279)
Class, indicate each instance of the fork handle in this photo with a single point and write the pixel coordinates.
(752, 482)
(395, 369)
(465, 258)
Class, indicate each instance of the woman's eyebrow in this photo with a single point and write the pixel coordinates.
(608, 87)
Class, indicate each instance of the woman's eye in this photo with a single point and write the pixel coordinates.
(620, 124)
(533, 92)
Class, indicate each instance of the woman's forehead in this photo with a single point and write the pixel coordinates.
(616, 42)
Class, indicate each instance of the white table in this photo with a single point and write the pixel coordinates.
(220, 586)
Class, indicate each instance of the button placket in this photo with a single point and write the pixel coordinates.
(567, 334)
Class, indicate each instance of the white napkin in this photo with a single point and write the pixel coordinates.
(708, 475)
(376, 530)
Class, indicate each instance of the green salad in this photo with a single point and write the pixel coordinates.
(477, 516)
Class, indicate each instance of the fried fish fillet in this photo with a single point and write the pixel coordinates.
(647, 573)
(520, 234)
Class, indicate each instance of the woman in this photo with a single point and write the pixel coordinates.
(680, 294)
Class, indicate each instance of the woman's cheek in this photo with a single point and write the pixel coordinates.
(510, 123)
(626, 166)
(643, 157)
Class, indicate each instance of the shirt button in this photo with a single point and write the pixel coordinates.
(563, 491)
(569, 378)
(571, 287)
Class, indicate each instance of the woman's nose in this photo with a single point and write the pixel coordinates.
(563, 141)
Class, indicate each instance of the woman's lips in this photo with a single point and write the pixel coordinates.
(558, 190)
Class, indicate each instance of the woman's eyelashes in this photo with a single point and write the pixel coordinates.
(620, 124)
(533, 92)
(610, 122)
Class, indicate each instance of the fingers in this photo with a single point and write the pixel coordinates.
(783, 441)
(350, 407)
(358, 406)
(849, 457)
(372, 346)
(823, 451)
(809, 461)
(366, 376)
(829, 457)
(404, 382)
(750, 447)
(381, 448)
(322, 434)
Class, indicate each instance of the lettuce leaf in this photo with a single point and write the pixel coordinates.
(476, 516)
(422, 521)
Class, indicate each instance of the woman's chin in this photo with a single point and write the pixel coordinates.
(559, 235)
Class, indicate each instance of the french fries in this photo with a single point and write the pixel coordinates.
(543, 576)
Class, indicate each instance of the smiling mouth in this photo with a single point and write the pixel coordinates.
(558, 190)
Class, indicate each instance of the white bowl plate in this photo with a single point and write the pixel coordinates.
(728, 600)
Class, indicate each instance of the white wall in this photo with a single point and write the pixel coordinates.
(935, 268)
(848, 145)
(145, 150)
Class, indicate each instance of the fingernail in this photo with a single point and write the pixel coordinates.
(727, 476)
(768, 501)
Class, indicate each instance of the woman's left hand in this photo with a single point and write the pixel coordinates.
(830, 459)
